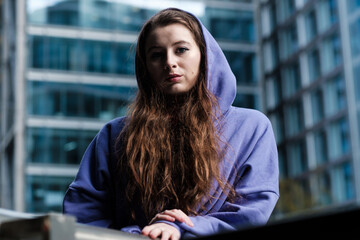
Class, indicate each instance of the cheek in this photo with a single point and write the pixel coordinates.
(153, 70)
(196, 67)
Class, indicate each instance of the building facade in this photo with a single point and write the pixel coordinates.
(71, 69)
(310, 76)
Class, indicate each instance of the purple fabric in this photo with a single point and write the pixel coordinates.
(250, 165)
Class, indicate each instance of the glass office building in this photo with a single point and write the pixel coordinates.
(310, 76)
(74, 71)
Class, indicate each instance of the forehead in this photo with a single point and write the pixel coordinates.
(167, 35)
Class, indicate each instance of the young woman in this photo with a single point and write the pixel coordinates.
(184, 162)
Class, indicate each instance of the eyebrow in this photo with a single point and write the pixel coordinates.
(174, 44)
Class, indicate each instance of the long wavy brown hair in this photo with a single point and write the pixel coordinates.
(170, 143)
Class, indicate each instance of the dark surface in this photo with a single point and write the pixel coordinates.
(333, 225)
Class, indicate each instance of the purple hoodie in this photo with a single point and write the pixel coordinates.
(250, 166)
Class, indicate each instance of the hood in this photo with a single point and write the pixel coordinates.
(220, 79)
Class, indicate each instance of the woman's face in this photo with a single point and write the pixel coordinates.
(173, 58)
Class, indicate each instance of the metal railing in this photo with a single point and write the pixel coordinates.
(53, 226)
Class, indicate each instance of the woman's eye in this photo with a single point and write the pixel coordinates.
(156, 55)
(181, 50)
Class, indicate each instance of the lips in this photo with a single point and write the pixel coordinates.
(173, 77)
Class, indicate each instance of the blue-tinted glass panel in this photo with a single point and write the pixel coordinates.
(343, 184)
(45, 194)
(353, 5)
(291, 79)
(321, 152)
(338, 139)
(277, 121)
(96, 14)
(331, 53)
(317, 105)
(311, 25)
(60, 12)
(357, 82)
(348, 183)
(327, 14)
(283, 163)
(288, 41)
(314, 64)
(335, 97)
(285, 9)
(297, 157)
(81, 55)
(78, 100)
(233, 25)
(277, 89)
(273, 16)
(355, 38)
(294, 118)
(324, 194)
(247, 100)
(57, 146)
(243, 66)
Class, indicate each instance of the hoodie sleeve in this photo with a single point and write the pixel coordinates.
(257, 185)
(89, 191)
(90, 197)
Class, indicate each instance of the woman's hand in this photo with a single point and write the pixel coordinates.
(172, 216)
(164, 230)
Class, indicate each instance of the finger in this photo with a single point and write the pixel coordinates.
(175, 236)
(180, 216)
(146, 230)
(161, 216)
(154, 233)
(165, 235)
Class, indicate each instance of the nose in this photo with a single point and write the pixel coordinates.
(170, 61)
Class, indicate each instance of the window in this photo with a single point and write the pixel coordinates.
(311, 25)
(271, 54)
(335, 97)
(286, 8)
(57, 146)
(353, 5)
(317, 105)
(321, 152)
(357, 82)
(45, 193)
(343, 187)
(331, 53)
(324, 193)
(297, 158)
(294, 118)
(247, 100)
(291, 79)
(89, 14)
(81, 55)
(288, 41)
(277, 121)
(338, 140)
(231, 25)
(327, 13)
(273, 19)
(273, 92)
(78, 100)
(354, 38)
(244, 67)
(314, 64)
(283, 164)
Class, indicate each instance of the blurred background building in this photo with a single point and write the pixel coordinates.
(67, 67)
(311, 75)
